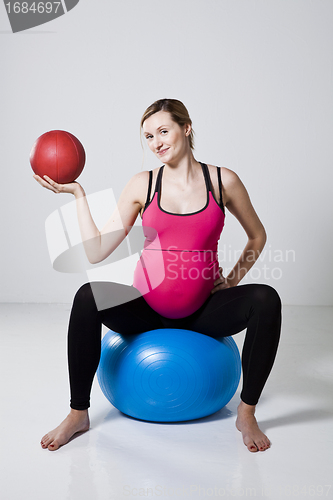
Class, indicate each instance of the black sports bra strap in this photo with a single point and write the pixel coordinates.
(207, 177)
(209, 182)
(158, 180)
(149, 189)
(220, 184)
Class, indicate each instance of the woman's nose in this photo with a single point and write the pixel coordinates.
(157, 142)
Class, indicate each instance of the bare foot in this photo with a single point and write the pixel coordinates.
(76, 421)
(246, 423)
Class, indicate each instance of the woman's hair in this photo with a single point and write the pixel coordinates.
(177, 110)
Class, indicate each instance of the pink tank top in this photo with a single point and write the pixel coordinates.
(178, 265)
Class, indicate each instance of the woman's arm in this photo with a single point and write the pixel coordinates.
(99, 244)
(238, 202)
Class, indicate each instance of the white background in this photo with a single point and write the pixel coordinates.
(256, 77)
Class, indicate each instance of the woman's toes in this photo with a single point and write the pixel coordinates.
(251, 445)
(44, 438)
(54, 446)
(263, 445)
(45, 441)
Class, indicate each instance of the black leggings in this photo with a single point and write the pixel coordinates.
(122, 309)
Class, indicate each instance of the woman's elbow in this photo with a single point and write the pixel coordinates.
(93, 259)
(259, 238)
(96, 258)
(262, 237)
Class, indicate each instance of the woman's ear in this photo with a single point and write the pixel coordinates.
(188, 129)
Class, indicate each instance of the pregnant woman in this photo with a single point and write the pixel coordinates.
(177, 281)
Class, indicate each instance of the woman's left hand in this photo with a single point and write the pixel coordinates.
(221, 283)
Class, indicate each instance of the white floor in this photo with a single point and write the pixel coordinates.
(123, 458)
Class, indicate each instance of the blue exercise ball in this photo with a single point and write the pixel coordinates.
(168, 375)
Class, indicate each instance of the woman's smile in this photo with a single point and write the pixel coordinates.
(162, 151)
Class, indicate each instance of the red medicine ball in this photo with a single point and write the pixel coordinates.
(58, 154)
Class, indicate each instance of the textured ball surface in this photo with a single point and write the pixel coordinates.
(168, 375)
(58, 154)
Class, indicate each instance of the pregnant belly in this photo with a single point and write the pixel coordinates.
(176, 284)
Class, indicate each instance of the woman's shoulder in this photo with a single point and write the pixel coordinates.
(138, 181)
(229, 180)
(227, 175)
(143, 176)
(137, 185)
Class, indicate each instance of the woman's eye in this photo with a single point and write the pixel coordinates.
(164, 131)
(149, 136)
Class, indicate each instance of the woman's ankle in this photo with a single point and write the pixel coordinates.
(244, 407)
(78, 413)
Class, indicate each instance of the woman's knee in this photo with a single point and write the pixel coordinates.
(84, 297)
(267, 297)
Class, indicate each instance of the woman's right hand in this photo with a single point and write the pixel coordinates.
(221, 282)
(73, 187)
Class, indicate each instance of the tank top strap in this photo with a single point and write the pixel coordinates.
(149, 190)
(207, 177)
(209, 182)
(220, 184)
(159, 180)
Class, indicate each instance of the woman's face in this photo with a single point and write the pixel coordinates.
(165, 138)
